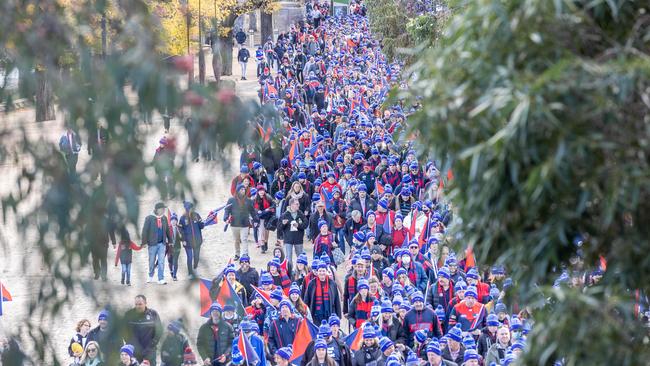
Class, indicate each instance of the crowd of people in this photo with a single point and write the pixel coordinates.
(337, 174)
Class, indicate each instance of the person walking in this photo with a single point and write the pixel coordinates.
(322, 296)
(242, 57)
(143, 330)
(215, 337)
(174, 345)
(238, 213)
(293, 224)
(191, 225)
(70, 146)
(156, 236)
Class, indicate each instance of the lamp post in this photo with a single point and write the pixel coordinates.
(201, 55)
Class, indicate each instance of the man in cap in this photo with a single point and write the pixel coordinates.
(282, 331)
(322, 296)
(247, 275)
(174, 344)
(156, 236)
(434, 355)
(419, 318)
(238, 213)
(105, 335)
(469, 313)
(215, 338)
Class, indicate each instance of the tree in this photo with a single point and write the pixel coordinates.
(541, 108)
(387, 19)
(132, 81)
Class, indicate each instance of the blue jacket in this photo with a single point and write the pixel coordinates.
(282, 333)
(420, 275)
(191, 231)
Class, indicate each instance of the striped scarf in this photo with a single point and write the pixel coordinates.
(322, 298)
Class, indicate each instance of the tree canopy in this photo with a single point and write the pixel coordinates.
(542, 109)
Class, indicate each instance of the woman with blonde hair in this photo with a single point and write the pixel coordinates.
(92, 355)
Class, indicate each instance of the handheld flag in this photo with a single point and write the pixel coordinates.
(327, 197)
(414, 219)
(388, 222)
(266, 296)
(204, 295)
(247, 350)
(354, 340)
(212, 215)
(304, 335)
(4, 296)
(379, 188)
(470, 261)
(293, 151)
(227, 296)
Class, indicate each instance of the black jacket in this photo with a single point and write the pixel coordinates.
(366, 355)
(150, 231)
(143, 330)
(293, 237)
(346, 355)
(248, 280)
(335, 300)
(241, 211)
(459, 359)
(172, 349)
(211, 345)
(314, 218)
(369, 203)
(243, 55)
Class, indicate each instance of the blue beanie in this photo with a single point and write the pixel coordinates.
(368, 331)
(363, 283)
(103, 315)
(440, 313)
(279, 195)
(417, 296)
(174, 326)
(470, 354)
(320, 343)
(421, 335)
(455, 334)
(494, 292)
(386, 307)
(412, 359)
(243, 169)
(471, 291)
(216, 307)
(294, 289)
(315, 263)
(334, 320)
(302, 258)
(492, 320)
(500, 308)
(266, 279)
(388, 272)
(324, 330)
(128, 349)
(244, 258)
(434, 347)
(385, 343)
(276, 294)
(285, 352)
(286, 303)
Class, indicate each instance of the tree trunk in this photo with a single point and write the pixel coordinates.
(44, 98)
(103, 35)
(267, 26)
(217, 65)
(226, 54)
(201, 65)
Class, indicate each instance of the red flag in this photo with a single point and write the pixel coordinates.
(450, 175)
(470, 261)
(355, 339)
(302, 339)
(414, 219)
(247, 350)
(379, 188)
(266, 296)
(6, 296)
(204, 296)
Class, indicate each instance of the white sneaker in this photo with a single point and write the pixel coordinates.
(150, 280)
(162, 282)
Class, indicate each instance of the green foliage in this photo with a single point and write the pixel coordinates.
(68, 215)
(426, 28)
(388, 23)
(542, 108)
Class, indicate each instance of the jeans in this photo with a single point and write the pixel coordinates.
(157, 252)
(288, 248)
(172, 259)
(189, 252)
(126, 272)
(340, 239)
(243, 68)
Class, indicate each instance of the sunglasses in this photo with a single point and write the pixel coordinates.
(92, 350)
